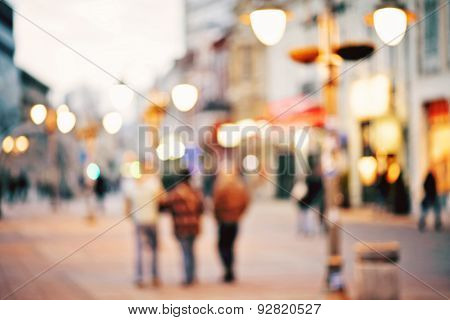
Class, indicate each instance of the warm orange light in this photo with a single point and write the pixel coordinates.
(393, 172)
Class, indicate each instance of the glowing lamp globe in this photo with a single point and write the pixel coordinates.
(22, 144)
(390, 25)
(367, 168)
(38, 113)
(184, 96)
(8, 144)
(112, 122)
(65, 121)
(268, 25)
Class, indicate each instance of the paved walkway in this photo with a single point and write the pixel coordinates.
(273, 261)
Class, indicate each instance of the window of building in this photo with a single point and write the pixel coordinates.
(430, 36)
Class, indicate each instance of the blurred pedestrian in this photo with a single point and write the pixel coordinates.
(231, 198)
(186, 205)
(142, 203)
(311, 205)
(22, 186)
(430, 200)
(100, 188)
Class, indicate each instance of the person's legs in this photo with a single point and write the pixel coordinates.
(437, 215)
(138, 277)
(423, 215)
(227, 236)
(152, 239)
(187, 246)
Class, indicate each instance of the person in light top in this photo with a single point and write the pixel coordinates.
(142, 199)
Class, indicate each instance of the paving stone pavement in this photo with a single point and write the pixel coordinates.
(273, 262)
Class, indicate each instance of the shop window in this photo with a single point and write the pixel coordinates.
(438, 115)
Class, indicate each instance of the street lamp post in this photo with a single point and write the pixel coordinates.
(390, 20)
(330, 55)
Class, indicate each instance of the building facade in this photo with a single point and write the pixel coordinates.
(10, 89)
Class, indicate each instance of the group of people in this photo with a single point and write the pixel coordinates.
(145, 198)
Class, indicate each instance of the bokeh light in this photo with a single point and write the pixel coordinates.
(22, 143)
(184, 96)
(38, 113)
(8, 144)
(112, 122)
(93, 171)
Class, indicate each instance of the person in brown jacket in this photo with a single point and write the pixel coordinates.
(186, 205)
(231, 198)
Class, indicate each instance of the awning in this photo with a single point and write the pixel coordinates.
(299, 109)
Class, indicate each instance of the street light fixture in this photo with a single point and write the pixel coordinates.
(38, 114)
(367, 168)
(65, 121)
(184, 96)
(390, 20)
(22, 143)
(8, 144)
(112, 122)
(268, 24)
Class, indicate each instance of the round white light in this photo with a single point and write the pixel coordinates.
(250, 163)
(8, 144)
(170, 148)
(268, 25)
(229, 135)
(184, 96)
(38, 113)
(367, 167)
(121, 96)
(112, 122)
(65, 121)
(93, 171)
(22, 143)
(390, 25)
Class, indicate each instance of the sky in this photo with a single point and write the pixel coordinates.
(134, 40)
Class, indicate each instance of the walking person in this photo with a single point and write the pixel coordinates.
(311, 204)
(142, 204)
(186, 205)
(430, 200)
(100, 189)
(230, 198)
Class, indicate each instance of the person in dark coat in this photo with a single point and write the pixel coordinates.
(186, 205)
(430, 200)
(312, 204)
(100, 189)
(231, 198)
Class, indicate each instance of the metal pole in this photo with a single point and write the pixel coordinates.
(328, 38)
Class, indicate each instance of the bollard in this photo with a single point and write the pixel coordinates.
(376, 276)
